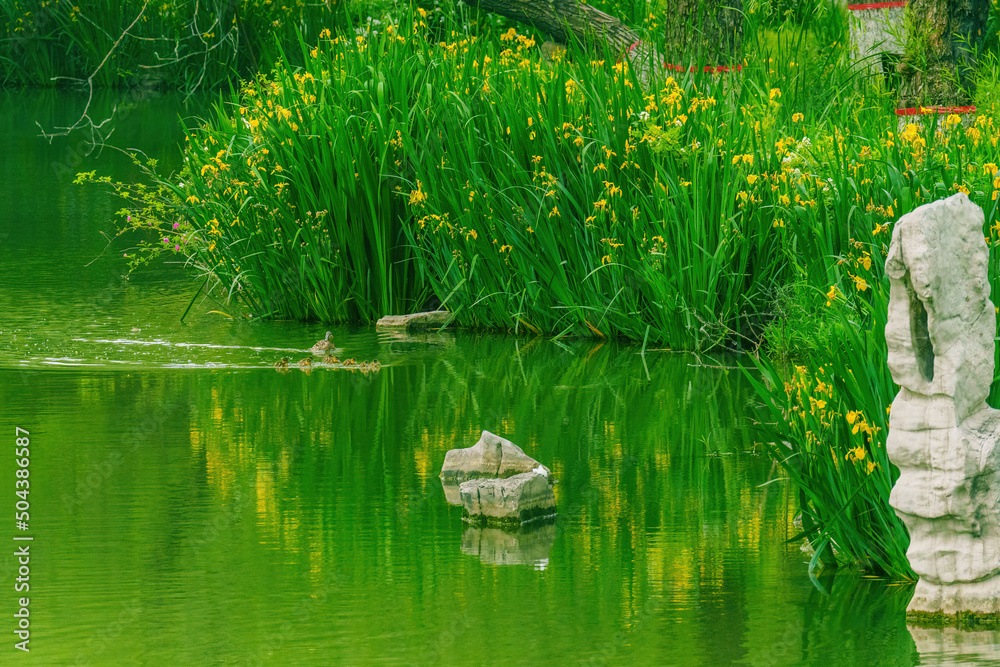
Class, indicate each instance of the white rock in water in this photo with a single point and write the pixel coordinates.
(429, 320)
(515, 499)
(942, 435)
(492, 456)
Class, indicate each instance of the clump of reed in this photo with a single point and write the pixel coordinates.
(559, 197)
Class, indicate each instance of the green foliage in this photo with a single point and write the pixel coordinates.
(987, 96)
(773, 13)
(811, 60)
(288, 196)
(572, 211)
(175, 44)
(802, 325)
(991, 33)
(149, 215)
(557, 197)
(826, 425)
(914, 39)
(825, 419)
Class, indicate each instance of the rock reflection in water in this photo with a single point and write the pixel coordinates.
(401, 344)
(939, 646)
(527, 545)
(451, 493)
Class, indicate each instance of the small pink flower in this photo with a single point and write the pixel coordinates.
(177, 248)
(128, 218)
(177, 225)
(125, 255)
(166, 240)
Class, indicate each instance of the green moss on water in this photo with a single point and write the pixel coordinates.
(491, 521)
(531, 516)
(963, 620)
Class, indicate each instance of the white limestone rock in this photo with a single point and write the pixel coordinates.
(492, 456)
(432, 319)
(512, 500)
(942, 435)
(941, 320)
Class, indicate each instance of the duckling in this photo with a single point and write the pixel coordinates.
(323, 345)
(282, 363)
(305, 363)
(350, 362)
(330, 360)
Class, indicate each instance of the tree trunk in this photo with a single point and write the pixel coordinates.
(703, 32)
(936, 68)
(563, 19)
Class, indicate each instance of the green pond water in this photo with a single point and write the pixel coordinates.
(190, 505)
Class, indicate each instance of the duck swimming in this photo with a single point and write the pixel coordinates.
(323, 345)
(305, 363)
(282, 363)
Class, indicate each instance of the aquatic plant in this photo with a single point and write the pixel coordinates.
(553, 197)
(826, 425)
(530, 195)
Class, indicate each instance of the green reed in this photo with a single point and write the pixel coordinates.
(590, 204)
(564, 197)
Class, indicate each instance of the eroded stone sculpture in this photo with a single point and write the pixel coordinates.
(942, 435)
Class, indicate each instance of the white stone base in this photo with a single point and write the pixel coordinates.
(982, 597)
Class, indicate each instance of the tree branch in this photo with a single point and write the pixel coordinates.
(565, 20)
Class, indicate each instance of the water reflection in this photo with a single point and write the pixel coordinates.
(853, 621)
(232, 483)
(951, 646)
(451, 493)
(529, 544)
